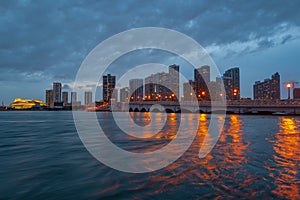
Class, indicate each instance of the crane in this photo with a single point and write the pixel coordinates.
(290, 85)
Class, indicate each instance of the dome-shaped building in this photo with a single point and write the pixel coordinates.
(24, 104)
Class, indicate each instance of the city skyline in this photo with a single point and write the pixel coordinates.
(58, 95)
(157, 87)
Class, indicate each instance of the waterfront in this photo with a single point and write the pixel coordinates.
(42, 157)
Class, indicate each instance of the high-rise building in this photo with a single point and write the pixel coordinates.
(88, 98)
(73, 97)
(114, 95)
(231, 79)
(158, 86)
(202, 78)
(219, 90)
(296, 93)
(275, 93)
(162, 86)
(136, 89)
(150, 93)
(188, 91)
(268, 89)
(65, 97)
(213, 90)
(124, 94)
(49, 97)
(56, 92)
(174, 80)
(109, 84)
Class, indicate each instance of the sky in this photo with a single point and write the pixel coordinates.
(46, 41)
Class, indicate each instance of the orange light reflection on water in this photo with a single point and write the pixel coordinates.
(287, 158)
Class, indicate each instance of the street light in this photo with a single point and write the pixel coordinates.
(289, 86)
(235, 92)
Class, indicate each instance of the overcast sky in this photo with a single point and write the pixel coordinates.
(46, 41)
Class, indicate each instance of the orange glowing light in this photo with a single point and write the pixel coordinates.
(289, 85)
(20, 103)
(203, 93)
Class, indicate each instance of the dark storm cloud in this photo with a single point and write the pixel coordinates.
(53, 37)
(286, 38)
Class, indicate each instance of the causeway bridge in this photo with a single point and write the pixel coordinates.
(232, 107)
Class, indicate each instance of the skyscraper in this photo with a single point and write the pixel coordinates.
(296, 93)
(56, 92)
(268, 89)
(275, 92)
(219, 91)
(114, 95)
(124, 94)
(231, 79)
(65, 98)
(73, 97)
(174, 80)
(202, 78)
(162, 86)
(136, 89)
(88, 98)
(49, 97)
(109, 84)
(188, 91)
(150, 93)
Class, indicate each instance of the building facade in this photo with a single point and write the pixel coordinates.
(109, 84)
(231, 80)
(268, 89)
(202, 78)
(124, 94)
(88, 98)
(156, 87)
(173, 81)
(49, 98)
(188, 91)
(150, 88)
(73, 97)
(163, 86)
(65, 98)
(56, 92)
(296, 93)
(136, 89)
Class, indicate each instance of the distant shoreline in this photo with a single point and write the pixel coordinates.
(208, 113)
